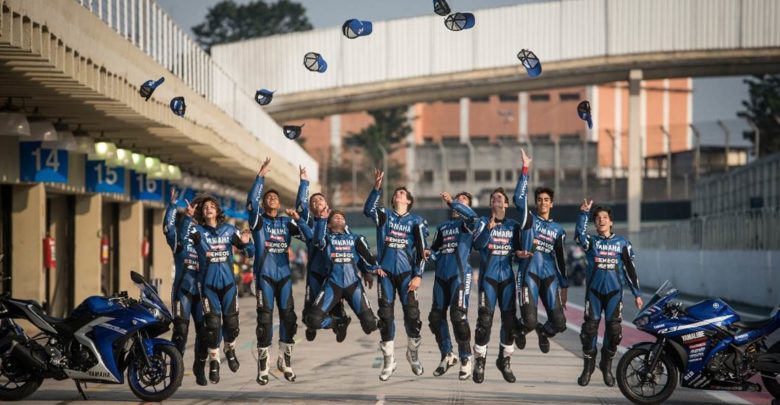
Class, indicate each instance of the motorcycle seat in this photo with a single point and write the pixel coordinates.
(749, 325)
(65, 326)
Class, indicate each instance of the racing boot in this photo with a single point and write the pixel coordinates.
(605, 365)
(199, 370)
(340, 328)
(589, 359)
(448, 360)
(311, 334)
(389, 365)
(262, 365)
(284, 362)
(544, 341)
(230, 355)
(412, 355)
(466, 367)
(502, 362)
(520, 335)
(214, 365)
(479, 369)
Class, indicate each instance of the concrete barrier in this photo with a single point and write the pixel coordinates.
(747, 276)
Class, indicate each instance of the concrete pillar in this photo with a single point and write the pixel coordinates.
(29, 216)
(411, 142)
(86, 274)
(635, 127)
(335, 157)
(522, 113)
(464, 119)
(162, 258)
(131, 234)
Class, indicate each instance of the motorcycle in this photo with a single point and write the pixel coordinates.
(103, 338)
(706, 343)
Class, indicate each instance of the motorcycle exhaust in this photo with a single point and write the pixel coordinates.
(768, 363)
(25, 356)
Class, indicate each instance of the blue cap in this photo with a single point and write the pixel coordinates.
(264, 96)
(583, 110)
(356, 28)
(315, 62)
(177, 106)
(531, 62)
(149, 87)
(293, 131)
(460, 21)
(441, 7)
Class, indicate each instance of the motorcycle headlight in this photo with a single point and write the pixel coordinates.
(641, 321)
(158, 315)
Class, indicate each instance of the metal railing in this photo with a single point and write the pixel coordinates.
(147, 26)
(747, 230)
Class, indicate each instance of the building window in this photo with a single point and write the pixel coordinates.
(540, 97)
(480, 99)
(451, 100)
(507, 138)
(508, 175)
(450, 139)
(427, 140)
(457, 176)
(570, 96)
(482, 175)
(480, 139)
(498, 175)
(427, 176)
(507, 98)
(574, 136)
(540, 137)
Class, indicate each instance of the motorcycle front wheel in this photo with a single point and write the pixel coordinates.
(643, 386)
(159, 379)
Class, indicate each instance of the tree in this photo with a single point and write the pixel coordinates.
(230, 22)
(763, 108)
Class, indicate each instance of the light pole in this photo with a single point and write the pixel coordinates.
(696, 153)
(668, 137)
(728, 135)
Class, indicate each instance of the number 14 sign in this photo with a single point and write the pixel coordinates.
(39, 163)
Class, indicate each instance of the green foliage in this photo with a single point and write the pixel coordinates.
(763, 108)
(230, 22)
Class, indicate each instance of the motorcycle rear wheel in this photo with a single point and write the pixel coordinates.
(16, 383)
(771, 383)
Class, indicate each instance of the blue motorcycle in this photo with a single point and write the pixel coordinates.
(101, 340)
(706, 343)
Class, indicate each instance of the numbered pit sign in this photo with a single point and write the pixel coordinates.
(103, 179)
(39, 163)
(145, 189)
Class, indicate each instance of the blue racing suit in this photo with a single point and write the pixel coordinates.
(401, 241)
(544, 273)
(343, 251)
(450, 252)
(218, 287)
(497, 280)
(610, 268)
(317, 266)
(272, 267)
(185, 292)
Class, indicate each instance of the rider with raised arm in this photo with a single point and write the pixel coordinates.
(185, 292)
(214, 240)
(610, 268)
(401, 243)
(542, 270)
(450, 252)
(272, 234)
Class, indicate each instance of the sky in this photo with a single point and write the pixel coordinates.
(714, 98)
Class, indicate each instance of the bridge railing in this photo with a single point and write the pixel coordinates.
(145, 24)
(746, 230)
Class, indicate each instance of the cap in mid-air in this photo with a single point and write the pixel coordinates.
(583, 110)
(356, 28)
(315, 62)
(149, 87)
(178, 107)
(531, 62)
(460, 21)
(264, 96)
(441, 7)
(293, 131)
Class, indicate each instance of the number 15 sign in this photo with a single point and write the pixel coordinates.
(103, 179)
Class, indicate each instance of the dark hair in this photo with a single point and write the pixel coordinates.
(336, 212)
(314, 195)
(270, 191)
(501, 191)
(201, 201)
(408, 195)
(544, 190)
(465, 194)
(602, 209)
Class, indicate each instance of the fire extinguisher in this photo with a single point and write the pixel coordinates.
(145, 248)
(104, 246)
(49, 253)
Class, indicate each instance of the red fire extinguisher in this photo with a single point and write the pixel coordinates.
(49, 253)
(145, 248)
(104, 246)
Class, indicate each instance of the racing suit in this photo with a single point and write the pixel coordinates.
(343, 251)
(185, 292)
(544, 273)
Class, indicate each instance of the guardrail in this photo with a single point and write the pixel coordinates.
(145, 24)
